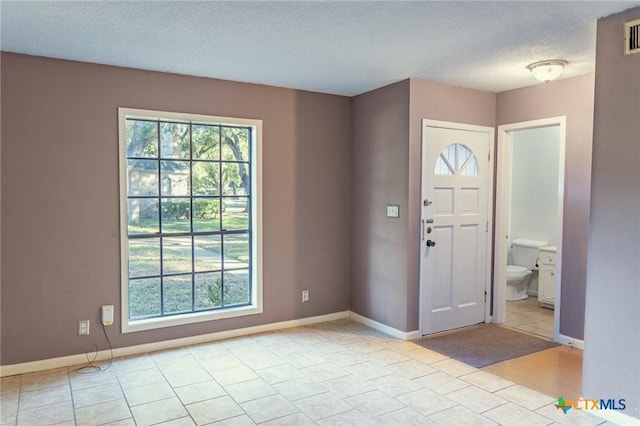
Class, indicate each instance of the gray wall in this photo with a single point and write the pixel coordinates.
(380, 153)
(573, 98)
(387, 129)
(60, 230)
(611, 366)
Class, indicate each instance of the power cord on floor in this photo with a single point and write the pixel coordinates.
(90, 367)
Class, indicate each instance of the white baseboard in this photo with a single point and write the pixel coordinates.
(570, 341)
(394, 332)
(79, 359)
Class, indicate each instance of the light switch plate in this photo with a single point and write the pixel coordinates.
(393, 210)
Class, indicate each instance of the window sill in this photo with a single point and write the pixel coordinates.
(131, 326)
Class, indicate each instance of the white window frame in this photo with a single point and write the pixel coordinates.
(133, 325)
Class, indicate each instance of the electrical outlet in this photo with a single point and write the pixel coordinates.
(393, 211)
(83, 328)
(305, 296)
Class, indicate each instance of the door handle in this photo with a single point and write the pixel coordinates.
(431, 243)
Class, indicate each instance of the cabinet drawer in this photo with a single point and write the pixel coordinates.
(548, 259)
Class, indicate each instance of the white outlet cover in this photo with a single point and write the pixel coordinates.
(393, 210)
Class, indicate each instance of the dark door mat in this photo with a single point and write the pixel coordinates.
(485, 345)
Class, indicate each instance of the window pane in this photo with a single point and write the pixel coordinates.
(205, 142)
(471, 169)
(442, 168)
(236, 251)
(175, 178)
(142, 138)
(144, 297)
(208, 288)
(142, 177)
(236, 213)
(206, 178)
(207, 253)
(174, 140)
(463, 154)
(176, 215)
(235, 144)
(177, 293)
(235, 178)
(206, 214)
(144, 257)
(176, 255)
(236, 287)
(142, 215)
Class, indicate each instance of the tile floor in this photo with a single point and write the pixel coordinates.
(529, 316)
(335, 373)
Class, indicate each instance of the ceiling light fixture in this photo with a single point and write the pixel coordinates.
(547, 70)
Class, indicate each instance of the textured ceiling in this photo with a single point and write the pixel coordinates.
(333, 47)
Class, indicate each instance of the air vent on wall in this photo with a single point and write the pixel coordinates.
(632, 37)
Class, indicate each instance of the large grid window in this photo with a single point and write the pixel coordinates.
(188, 192)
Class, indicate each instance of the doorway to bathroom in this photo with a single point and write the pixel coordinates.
(528, 233)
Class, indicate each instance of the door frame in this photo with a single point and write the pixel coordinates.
(502, 214)
(490, 131)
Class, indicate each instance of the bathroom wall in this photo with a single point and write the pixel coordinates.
(534, 184)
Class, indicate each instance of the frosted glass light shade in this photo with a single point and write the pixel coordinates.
(547, 70)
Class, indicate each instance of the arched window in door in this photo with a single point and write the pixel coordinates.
(457, 159)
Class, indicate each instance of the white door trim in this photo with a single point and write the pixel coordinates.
(490, 131)
(502, 214)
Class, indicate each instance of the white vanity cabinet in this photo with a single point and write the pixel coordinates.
(547, 277)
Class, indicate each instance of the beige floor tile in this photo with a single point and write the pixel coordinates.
(299, 388)
(525, 397)
(323, 372)
(268, 408)
(213, 410)
(426, 356)
(140, 378)
(44, 379)
(10, 384)
(182, 421)
(326, 348)
(263, 360)
(476, 399)
(395, 384)
(199, 392)
(133, 363)
(234, 375)
(124, 422)
(373, 403)
(344, 358)
(252, 389)
(271, 339)
(97, 395)
(459, 415)
(405, 417)
(159, 356)
(387, 357)
(571, 418)
(49, 414)
(425, 401)
(8, 410)
(45, 396)
(158, 411)
(307, 359)
(321, 406)
(222, 362)
(347, 386)
(148, 393)
(178, 376)
(88, 380)
(441, 383)
(279, 373)
(208, 350)
(369, 370)
(102, 413)
(412, 369)
(351, 418)
(512, 414)
(242, 420)
(185, 361)
(453, 367)
(296, 419)
(364, 346)
(487, 381)
(402, 346)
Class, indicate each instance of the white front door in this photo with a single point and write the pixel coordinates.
(456, 172)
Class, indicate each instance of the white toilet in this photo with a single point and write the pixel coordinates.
(523, 256)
